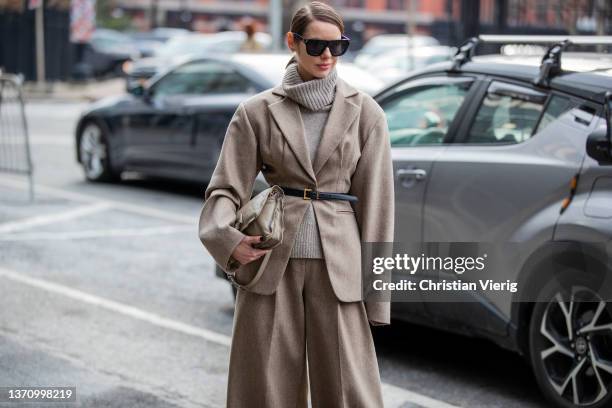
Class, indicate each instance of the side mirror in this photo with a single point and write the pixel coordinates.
(598, 146)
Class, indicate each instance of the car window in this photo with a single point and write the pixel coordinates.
(508, 114)
(423, 114)
(556, 107)
(578, 113)
(201, 78)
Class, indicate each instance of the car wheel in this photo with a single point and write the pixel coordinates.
(94, 154)
(570, 345)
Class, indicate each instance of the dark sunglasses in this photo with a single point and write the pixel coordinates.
(316, 47)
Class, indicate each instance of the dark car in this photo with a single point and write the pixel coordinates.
(514, 151)
(172, 128)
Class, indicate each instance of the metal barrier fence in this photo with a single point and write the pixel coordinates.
(15, 154)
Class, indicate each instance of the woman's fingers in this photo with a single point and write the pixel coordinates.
(246, 253)
(251, 239)
(257, 253)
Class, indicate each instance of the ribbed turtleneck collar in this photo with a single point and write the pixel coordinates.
(316, 94)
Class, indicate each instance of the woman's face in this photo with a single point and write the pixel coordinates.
(311, 67)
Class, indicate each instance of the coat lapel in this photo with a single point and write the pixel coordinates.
(287, 115)
(343, 112)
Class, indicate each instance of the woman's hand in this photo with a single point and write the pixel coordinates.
(245, 253)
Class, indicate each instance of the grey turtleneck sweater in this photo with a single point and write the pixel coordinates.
(314, 98)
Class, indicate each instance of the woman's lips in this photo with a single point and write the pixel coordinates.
(323, 66)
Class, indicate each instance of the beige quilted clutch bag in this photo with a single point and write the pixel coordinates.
(262, 215)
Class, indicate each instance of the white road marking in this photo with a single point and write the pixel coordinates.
(13, 226)
(98, 233)
(70, 195)
(394, 396)
(117, 307)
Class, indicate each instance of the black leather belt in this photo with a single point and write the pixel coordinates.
(310, 194)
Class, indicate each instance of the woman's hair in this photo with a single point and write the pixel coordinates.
(308, 13)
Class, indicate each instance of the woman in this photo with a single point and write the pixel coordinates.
(312, 133)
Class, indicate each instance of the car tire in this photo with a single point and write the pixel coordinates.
(94, 153)
(572, 371)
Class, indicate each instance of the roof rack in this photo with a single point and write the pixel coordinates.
(551, 62)
(464, 53)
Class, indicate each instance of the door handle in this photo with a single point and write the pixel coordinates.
(416, 174)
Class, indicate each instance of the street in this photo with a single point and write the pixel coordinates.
(106, 287)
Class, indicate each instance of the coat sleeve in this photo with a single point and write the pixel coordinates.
(230, 187)
(372, 183)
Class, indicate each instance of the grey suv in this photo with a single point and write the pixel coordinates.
(490, 151)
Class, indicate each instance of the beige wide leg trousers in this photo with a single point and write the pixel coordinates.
(274, 335)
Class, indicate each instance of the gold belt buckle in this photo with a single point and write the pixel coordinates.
(306, 190)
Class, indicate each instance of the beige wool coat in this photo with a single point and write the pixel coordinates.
(354, 156)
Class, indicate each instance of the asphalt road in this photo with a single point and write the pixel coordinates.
(106, 287)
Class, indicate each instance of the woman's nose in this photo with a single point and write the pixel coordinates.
(326, 53)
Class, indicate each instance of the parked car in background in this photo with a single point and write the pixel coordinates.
(509, 150)
(108, 50)
(148, 41)
(226, 42)
(392, 65)
(389, 42)
(174, 126)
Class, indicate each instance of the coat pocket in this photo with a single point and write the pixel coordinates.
(351, 211)
(344, 207)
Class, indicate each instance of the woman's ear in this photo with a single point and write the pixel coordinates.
(290, 41)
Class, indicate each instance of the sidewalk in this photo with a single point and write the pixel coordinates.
(75, 91)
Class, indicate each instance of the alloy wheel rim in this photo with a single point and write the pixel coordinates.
(93, 151)
(576, 346)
